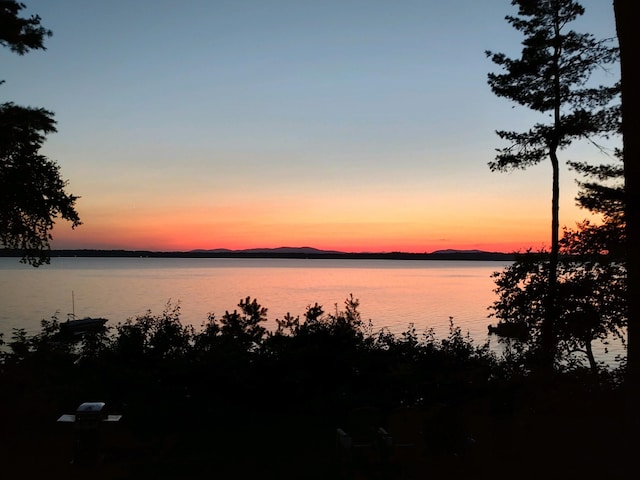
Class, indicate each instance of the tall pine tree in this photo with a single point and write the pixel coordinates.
(552, 77)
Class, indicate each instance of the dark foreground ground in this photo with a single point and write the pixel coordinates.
(530, 434)
(325, 401)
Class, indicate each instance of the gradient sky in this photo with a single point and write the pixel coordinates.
(358, 125)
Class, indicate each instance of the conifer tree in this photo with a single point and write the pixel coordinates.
(551, 77)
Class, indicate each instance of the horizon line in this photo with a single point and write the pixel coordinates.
(274, 250)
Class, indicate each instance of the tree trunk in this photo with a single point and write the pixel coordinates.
(548, 340)
(592, 360)
(627, 13)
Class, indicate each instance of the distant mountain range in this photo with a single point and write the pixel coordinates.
(280, 252)
(310, 252)
(450, 251)
(315, 251)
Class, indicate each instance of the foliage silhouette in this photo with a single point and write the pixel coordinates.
(284, 391)
(591, 302)
(245, 328)
(32, 191)
(20, 34)
(551, 77)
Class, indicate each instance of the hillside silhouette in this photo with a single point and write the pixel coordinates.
(282, 252)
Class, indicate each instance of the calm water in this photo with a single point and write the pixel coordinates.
(392, 293)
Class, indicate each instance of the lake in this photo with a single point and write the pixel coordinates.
(392, 293)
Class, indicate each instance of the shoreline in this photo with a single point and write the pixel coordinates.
(454, 255)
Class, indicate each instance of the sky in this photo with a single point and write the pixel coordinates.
(352, 125)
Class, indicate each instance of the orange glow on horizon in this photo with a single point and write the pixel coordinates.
(358, 225)
(356, 237)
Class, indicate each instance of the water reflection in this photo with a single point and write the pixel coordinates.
(392, 293)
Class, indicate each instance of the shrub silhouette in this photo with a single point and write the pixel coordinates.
(233, 380)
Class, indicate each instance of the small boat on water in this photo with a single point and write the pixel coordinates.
(82, 325)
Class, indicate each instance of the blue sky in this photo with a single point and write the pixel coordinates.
(358, 125)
